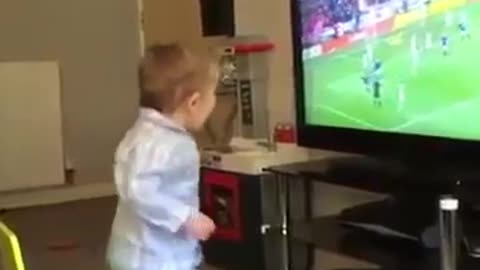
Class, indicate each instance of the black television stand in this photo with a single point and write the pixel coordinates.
(398, 216)
(415, 186)
(411, 212)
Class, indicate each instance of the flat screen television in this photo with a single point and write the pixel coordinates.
(388, 77)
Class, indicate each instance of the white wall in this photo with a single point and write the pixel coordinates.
(97, 47)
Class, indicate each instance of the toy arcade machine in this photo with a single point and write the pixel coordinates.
(236, 193)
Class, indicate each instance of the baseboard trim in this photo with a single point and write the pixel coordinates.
(56, 195)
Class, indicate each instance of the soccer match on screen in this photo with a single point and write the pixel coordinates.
(405, 66)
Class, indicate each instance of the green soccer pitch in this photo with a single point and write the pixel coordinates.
(441, 96)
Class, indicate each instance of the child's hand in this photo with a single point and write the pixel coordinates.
(200, 227)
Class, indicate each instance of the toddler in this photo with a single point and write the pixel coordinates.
(157, 225)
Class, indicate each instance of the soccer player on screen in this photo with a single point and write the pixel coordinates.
(428, 41)
(377, 67)
(444, 44)
(366, 64)
(367, 78)
(376, 78)
(462, 26)
(376, 92)
(415, 54)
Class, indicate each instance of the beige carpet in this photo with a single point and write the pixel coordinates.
(68, 236)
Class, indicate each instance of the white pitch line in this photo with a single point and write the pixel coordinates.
(353, 119)
(431, 115)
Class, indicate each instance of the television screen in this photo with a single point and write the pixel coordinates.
(396, 66)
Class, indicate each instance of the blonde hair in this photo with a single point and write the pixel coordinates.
(168, 74)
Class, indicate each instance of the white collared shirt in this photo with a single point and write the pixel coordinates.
(156, 174)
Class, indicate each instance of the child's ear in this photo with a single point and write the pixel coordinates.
(194, 99)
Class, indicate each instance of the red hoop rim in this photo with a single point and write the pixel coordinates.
(254, 47)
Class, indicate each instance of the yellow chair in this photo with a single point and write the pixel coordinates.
(10, 251)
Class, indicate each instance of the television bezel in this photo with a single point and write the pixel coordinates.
(366, 142)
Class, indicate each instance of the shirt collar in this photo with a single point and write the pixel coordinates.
(158, 119)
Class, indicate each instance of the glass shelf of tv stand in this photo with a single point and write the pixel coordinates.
(329, 246)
